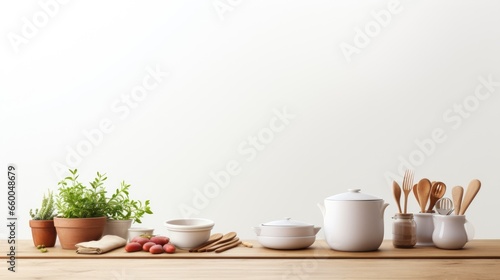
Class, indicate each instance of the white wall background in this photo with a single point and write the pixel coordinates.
(229, 71)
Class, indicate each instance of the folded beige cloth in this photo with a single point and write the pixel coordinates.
(103, 245)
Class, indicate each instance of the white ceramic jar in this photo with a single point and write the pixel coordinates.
(425, 228)
(451, 231)
(353, 221)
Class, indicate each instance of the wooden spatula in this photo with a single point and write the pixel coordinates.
(457, 193)
(472, 190)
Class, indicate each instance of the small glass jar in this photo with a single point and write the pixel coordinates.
(404, 231)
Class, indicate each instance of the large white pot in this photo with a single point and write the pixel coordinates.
(353, 221)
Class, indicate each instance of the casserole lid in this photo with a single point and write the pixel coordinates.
(287, 222)
(353, 195)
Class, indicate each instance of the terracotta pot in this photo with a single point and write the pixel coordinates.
(43, 232)
(75, 230)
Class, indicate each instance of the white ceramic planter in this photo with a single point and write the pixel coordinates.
(117, 227)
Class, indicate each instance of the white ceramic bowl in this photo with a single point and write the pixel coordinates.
(286, 243)
(189, 233)
(136, 231)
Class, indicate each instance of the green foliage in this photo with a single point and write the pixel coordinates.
(46, 210)
(78, 201)
(121, 207)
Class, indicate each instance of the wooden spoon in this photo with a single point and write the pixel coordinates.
(416, 193)
(423, 190)
(227, 237)
(472, 190)
(213, 238)
(457, 193)
(396, 189)
(437, 192)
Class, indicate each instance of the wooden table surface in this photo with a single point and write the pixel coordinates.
(480, 259)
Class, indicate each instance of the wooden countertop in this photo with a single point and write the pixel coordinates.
(480, 259)
(476, 249)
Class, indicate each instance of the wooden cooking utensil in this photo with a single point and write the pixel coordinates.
(423, 190)
(226, 238)
(228, 246)
(416, 193)
(213, 238)
(247, 244)
(456, 193)
(407, 186)
(222, 245)
(396, 189)
(437, 192)
(471, 192)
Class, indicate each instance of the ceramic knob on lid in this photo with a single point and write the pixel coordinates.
(353, 195)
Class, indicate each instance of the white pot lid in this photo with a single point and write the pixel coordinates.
(353, 195)
(287, 222)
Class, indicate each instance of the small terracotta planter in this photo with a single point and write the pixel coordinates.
(43, 232)
(75, 230)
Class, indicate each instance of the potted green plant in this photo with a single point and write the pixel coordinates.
(121, 211)
(42, 222)
(81, 210)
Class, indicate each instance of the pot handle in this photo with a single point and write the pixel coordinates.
(257, 230)
(383, 209)
(316, 230)
(469, 230)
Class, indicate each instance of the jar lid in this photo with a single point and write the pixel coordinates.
(287, 222)
(353, 195)
(403, 215)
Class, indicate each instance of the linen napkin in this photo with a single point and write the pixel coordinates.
(103, 245)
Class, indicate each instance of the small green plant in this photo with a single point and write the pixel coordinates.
(121, 207)
(42, 248)
(46, 211)
(78, 201)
